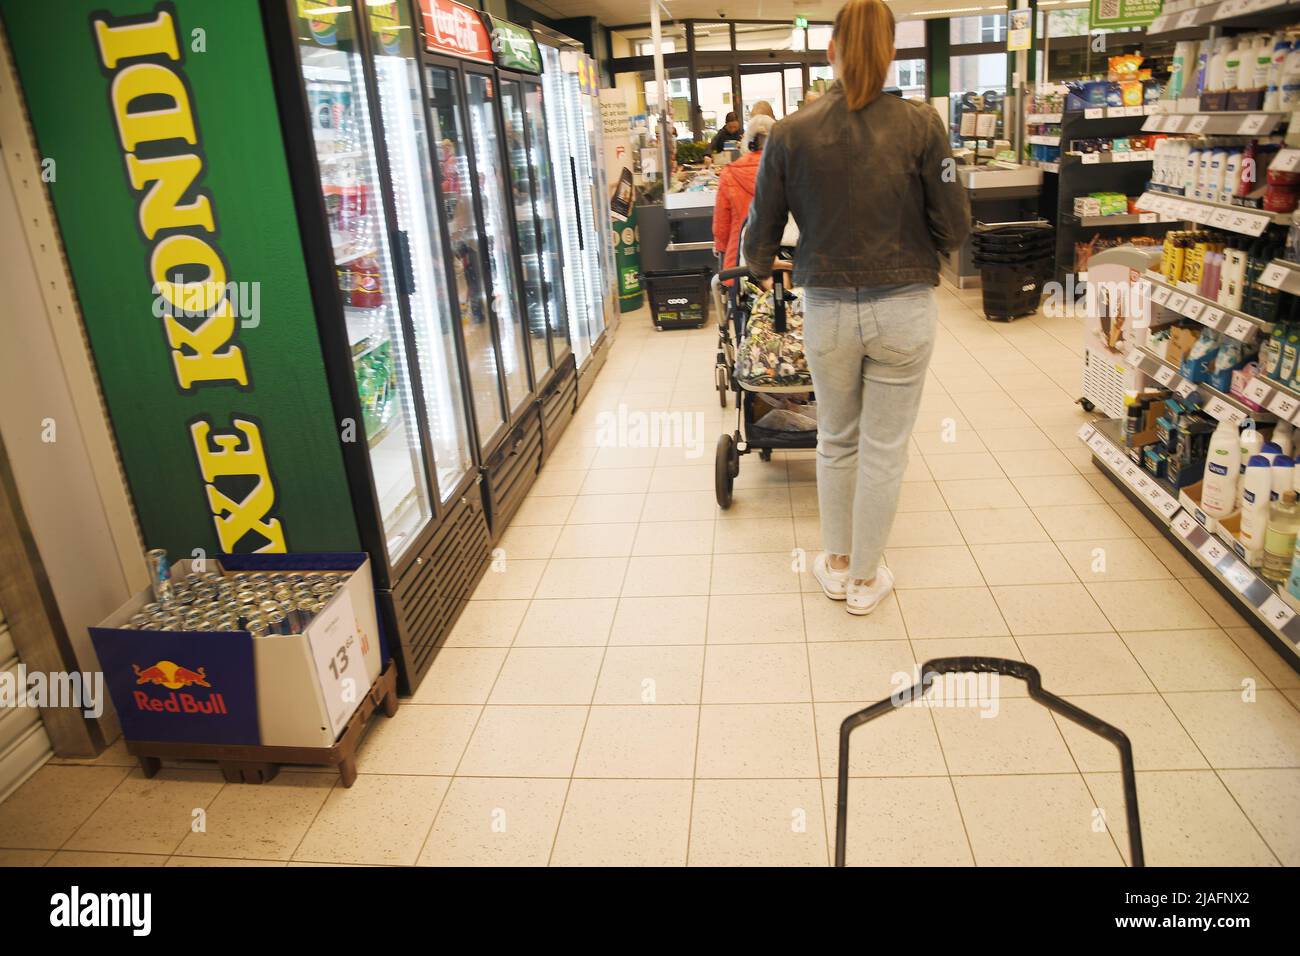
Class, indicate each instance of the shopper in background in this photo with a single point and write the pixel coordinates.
(871, 183)
(736, 192)
(761, 108)
(730, 130)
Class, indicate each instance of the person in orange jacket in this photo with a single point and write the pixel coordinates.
(736, 191)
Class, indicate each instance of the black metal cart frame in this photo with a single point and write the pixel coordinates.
(1034, 683)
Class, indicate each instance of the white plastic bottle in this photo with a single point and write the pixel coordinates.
(1273, 94)
(1252, 442)
(1256, 485)
(1283, 437)
(1270, 451)
(1289, 81)
(1283, 477)
(1222, 467)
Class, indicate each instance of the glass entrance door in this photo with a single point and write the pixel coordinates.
(552, 262)
(351, 186)
(781, 87)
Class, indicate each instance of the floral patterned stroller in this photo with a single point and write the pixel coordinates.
(767, 370)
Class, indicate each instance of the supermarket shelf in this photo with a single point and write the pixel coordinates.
(1213, 556)
(1218, 405)
(1047, 166)
(1239, 219)
(1045, 140)
(1042, 117)
(1196, 21)
(388, 428)
(1282, 275)
(1124, 156)
(1117, 112)
(1141, 219)
(1255, 123)
(1233, 323)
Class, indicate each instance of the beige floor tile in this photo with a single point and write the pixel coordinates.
(1193, 659)
(1159, 741)
(606, 508)
(758, 823)
(570, 458)
(756, 741)
(963, 467)
(1137, 606)
(756, 674)
(524, 742)
(1048, 608)
(1082, 522)
(264, 822)
(1113, 559)
(660, 620)
(147, 815)
(558, 482)
(207, 861)
(767, 573)
(48, 808)
(1015, 439)
(419, 739)
(860, 670)
(1264, 656)
(651, 675)
(1027, 464)
(1214, 603)
(669, 576)
(936, 439)
(951, 612)
(1000, 736)
(673, 537)
(595, 541)
(761, 502)
(887, 817)
(543, 510)
(616, 481)
(980, 493)
(999, 526)
(755, 619)
(804, 501)
(460, 675)
(114, 755)
(1003, 647)
(1055, 489)
(1138, 520)
(624, 457)
(487, 624)
(1022, 564)
(928, 529)
(920, 496)
(494, 821)
(513, 580)
(1097, 663)
(679, 506)
(1188, 818)
(88, 858)
(582, 578)
(1239, 735)
(624, 823)
(827, 620)
(697, 477)
(378, 820)
(901, 743)
(1172, 558)
(1271, 801)
(758, 534)
(530, 542)
(567, 622)
(15, 858)
(1039, 820)
(548, 675)
(808, 532)
(655, 741)
(950, 567)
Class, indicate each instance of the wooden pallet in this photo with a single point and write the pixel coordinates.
(244, 763)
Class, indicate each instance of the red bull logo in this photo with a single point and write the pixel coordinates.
(174, 677)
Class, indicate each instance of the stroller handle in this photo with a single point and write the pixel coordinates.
(778, 298)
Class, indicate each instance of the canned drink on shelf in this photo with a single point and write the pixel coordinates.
(159, 573)
(268, 607)
(322, 588)
(293, 578)
(277, 623)
(311, 577)
(256, 628)
(153, 607)
(138, 619)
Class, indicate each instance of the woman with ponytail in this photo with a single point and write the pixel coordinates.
(872, 185)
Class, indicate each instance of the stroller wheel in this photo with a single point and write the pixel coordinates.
(726, 465)
(765, 454)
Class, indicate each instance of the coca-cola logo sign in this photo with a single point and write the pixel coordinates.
(452, 28)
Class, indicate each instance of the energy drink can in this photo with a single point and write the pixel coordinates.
(138, 620)
(153, 607)
(322, 588)
(277, 623)
(160, 573)
(256, 628)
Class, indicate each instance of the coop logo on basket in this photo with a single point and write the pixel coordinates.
(174, 677)
(678, 301)
(74, 908)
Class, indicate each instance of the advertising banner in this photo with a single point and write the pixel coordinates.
(1122, 13)
(160, 145)
(453, 28)
(514, 47)
(1020, 30)
(615, 116)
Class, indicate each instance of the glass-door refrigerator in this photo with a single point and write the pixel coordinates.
(537, 230)
(463, 96)
(572, 108)
(368, 206)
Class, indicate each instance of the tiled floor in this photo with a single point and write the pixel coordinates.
(649, 680)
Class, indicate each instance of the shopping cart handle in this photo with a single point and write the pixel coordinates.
(733, 273)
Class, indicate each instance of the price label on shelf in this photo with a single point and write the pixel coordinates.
(1167, 504)
(1258, 391)
(1240, 329)
(1286, 160)
(1212, 317)
(1250, 224)
(1283, 405)
(1165, 375)
(1173, 124)
(1146, 217)
(1122, 156)
(1094, 112)
(1274, 275)
(1158, 24)
(1086, 432)
(1197, 123)
(1184, 524)
(1153, 124)
(1220, 410)
(1276, 612)
(1198, 213)
(1228, 9)
(1090, 159)
(1135, 358)
(1187, 19)
(1252, 124)
(1239, 576)
(1213, 551)
(1160, 294)
(1184, 388)
(1220, 218)
(1193, 309)
(1177, 301)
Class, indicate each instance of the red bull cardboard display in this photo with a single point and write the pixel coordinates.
(227, 687)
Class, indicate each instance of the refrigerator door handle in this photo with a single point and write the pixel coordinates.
(577, 208)
(405, 268)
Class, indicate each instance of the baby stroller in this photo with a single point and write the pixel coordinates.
(761, 359)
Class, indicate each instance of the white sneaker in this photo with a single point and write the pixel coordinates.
(834, 583)
(863, 598)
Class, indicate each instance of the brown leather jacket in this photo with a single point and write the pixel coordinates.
(874, 192)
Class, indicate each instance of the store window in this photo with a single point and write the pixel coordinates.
(716, 99)
(819, 37)
(977, 84)
(909, 35)
(908, 76)
(989, 29)
(679, 100)
(712, 36)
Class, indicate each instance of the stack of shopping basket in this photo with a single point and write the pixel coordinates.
(1014, 260)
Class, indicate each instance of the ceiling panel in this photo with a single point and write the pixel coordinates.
(612, 12)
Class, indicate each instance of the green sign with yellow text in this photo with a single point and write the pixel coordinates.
(173, 199)
(1108, 14)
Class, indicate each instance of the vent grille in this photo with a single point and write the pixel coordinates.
(558, 407)
(512, 469)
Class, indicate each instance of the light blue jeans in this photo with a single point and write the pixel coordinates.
(868, 350)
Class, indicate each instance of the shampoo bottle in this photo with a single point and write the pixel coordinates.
(1222, 467)
(1256, 486)
(1279, 538)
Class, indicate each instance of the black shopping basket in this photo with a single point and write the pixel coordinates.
(679, 299)
(1034, 683)
(1014, 259)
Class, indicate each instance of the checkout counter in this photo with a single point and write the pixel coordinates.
(998, 192)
